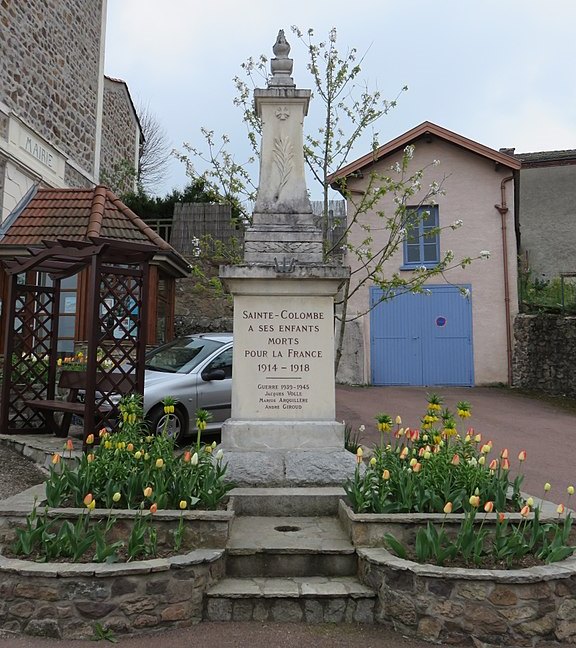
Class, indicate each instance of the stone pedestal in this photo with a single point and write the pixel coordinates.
(283, 429)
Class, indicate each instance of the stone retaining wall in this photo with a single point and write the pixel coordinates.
(68, 600)
(545, 354)
(513, 607)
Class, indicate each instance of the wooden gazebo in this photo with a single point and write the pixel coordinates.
(113, 361)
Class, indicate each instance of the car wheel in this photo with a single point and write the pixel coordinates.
(174, 425)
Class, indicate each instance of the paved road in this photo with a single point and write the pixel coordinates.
(245, 635)
(546, 429)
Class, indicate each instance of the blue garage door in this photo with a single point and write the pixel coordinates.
(419, 339)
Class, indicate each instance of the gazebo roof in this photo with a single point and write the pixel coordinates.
(81, 214)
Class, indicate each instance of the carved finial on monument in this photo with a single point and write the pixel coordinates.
(281, 66)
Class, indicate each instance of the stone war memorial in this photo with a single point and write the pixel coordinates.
(283, 431)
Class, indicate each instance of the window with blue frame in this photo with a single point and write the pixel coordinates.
(422, 241)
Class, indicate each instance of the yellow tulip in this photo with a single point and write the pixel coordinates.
(474, 501)
(116, 497)
(159, 463)
(448, 508)
(183, 504)
(570, 490)
(547, 486)
(386, 475)
(56, 458)
(90, 439)
(147, 491)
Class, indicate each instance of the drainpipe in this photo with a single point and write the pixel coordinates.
(503, 210)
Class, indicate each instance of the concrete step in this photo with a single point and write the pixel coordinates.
(295, 502)
(307, 599)
(289, 546)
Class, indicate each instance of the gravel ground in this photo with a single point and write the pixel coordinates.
(17, 473)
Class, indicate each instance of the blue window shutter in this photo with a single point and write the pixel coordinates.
(421, 246)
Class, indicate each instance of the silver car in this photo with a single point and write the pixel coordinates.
(196, 370)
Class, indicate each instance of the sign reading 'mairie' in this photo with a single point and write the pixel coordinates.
(283, 353)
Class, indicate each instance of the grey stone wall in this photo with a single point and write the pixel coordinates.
(545, 354)
(548, 219)
(120, 134)
(50, 70)
(64, 601)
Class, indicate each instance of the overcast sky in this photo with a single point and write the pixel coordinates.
(501, 72)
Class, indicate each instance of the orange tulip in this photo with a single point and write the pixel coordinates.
(56, 458)
(525, 510)
(404, 453)
(88, 499)
(493, 464)
(504, 453)
(153, 508)
(69, 444)
(187, 456)
(489, 507)
(448, 508)
(90, 439)
(455, 460)
(560, 509)
(505, 464)
(501, 517)
(417, 467)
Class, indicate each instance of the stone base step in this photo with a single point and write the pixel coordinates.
(289, 546)
(307, 599)
(287, 502)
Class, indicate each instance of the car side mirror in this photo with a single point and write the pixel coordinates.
(213, 374)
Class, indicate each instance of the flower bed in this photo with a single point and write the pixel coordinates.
(438, 495)
(517, 607)
(82, 601)
(437, 472)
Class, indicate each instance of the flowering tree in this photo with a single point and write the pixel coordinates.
(349, 110)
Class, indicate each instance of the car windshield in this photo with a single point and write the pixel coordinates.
(181, 355)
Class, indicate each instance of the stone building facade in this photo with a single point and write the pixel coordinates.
(121, 134)
(52, 90)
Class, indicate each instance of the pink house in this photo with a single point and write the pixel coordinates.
(459, 330)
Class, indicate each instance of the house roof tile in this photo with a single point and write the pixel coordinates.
(79, 214)
(546, 158)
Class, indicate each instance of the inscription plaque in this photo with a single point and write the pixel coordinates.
(283, 357)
